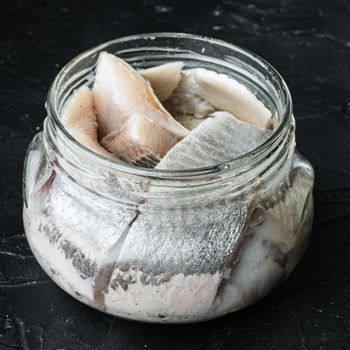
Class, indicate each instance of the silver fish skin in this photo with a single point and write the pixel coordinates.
(219, 138)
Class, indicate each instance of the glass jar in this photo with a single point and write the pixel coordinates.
(168, 246)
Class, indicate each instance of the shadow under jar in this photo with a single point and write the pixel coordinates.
(168, 246)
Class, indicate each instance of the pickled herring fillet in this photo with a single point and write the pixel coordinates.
(164, 78)
(227, 94)
(165, 257)
(141, 141)
(79, 119)
(293, 197)
(120, 91)
(185, 100)
(271, 249)
(219, 138)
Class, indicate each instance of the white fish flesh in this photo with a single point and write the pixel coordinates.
(201, 92)
(133, 124)
(185, 100)
(120, 91)
(140, 141)
(164, 78)
(79, 119)
(227, 94)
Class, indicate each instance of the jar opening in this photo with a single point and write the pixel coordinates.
(147, 49)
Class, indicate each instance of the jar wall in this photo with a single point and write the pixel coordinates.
(190, 263)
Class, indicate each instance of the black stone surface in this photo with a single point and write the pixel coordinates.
(309, 43)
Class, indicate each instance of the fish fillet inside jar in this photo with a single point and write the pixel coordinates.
(79, 119)
(177, 271)
(135, 127)
(128, 111)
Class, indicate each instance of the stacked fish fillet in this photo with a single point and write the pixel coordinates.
(126, 116)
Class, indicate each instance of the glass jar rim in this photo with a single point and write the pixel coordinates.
(235, 163)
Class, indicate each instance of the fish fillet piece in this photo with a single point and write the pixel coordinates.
(201, 92)
(227, 94)
(185, 99)
(79, 119)
(141, 141)
(292, 196)
(219, 138)
(271, 250)
(164, 78)
(120, 91)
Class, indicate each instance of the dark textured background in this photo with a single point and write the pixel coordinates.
(309, 43)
